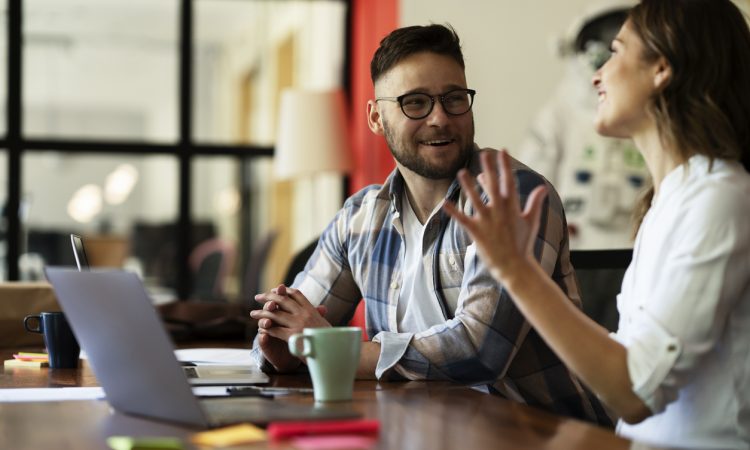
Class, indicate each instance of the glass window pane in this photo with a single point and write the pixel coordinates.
(247, 52)
(124, 206)
(101, 69)
(230, 209)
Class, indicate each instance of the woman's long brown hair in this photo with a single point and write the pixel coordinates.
(705, 108)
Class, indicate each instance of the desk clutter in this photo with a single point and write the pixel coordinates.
(27, 359)
(230, 436)
(312, 435)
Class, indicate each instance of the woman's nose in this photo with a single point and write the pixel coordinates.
(597, 78)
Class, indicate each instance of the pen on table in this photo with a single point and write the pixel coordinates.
(236, 391)
(267, 390)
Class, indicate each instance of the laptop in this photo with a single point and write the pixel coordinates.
(199, 375)
(134, 361)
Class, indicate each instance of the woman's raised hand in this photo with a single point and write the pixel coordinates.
(504, 235)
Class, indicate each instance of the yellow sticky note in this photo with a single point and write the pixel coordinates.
(152, 443)
(224, 437)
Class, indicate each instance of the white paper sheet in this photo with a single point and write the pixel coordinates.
(229, 356)
(51, 394)
(210, 391)
(83, 393)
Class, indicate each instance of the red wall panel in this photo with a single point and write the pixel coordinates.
(371, 21)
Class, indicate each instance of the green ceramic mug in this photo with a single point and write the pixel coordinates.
(332, 358)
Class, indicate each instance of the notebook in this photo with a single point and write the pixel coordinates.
(202, 375)
(133, 358)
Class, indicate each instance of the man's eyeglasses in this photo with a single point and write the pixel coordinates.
(418, 106)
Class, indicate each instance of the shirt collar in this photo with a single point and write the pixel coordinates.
(394, 184)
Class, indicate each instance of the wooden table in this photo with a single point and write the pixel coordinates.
(412, 415)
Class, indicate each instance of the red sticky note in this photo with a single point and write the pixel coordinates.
(333, 442)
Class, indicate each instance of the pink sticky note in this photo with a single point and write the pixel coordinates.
(333, 442)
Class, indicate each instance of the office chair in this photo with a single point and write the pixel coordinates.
(256, 265)
(299, 261)
(599, 274)
(211, 262)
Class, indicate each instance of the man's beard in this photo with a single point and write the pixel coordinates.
(419, 165)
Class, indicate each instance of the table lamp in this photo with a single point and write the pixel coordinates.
(312, 134)
(312, 139)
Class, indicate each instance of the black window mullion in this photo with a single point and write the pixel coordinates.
(185, 149)
(13, 113)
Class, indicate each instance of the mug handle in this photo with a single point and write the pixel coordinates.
(307, 348)
(38, 328)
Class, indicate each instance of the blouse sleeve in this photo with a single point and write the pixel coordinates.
(698, 275)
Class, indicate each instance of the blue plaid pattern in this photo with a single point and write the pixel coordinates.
(484, 339)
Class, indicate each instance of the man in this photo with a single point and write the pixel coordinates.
(433, 310)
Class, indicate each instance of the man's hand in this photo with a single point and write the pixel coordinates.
(277, 353)
(285, 312)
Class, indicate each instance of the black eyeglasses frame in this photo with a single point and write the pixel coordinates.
(441, 97)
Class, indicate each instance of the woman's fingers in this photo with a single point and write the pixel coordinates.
(466, 221)
(468, 187)
(488, 179)
(533, 212)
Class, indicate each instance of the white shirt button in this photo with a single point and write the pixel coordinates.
(394, 285)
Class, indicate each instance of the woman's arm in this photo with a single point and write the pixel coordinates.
(504, 236)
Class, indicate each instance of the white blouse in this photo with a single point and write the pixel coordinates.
(685, 310)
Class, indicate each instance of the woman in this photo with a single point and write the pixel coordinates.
(677, 372)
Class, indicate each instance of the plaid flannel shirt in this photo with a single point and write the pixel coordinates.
(485, 339)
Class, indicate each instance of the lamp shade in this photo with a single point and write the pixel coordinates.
(312, 134)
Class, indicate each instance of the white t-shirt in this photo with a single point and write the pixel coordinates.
(418, 307)
(685, 310)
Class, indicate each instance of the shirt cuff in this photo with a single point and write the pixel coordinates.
(392, 349)
(261, 361)
(652, 353)
(266, 367)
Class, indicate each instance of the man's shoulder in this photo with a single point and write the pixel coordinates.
(527, 177)
(366, 191)
(373, 193)
(475, 164)
(368, 200)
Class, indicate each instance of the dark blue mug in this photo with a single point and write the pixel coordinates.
(61, 343)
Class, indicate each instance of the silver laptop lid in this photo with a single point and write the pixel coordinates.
(128, 349)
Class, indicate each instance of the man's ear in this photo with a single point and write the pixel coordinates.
(374, 120)
(663, 74)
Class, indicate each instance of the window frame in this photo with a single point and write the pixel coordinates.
(185, 149)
